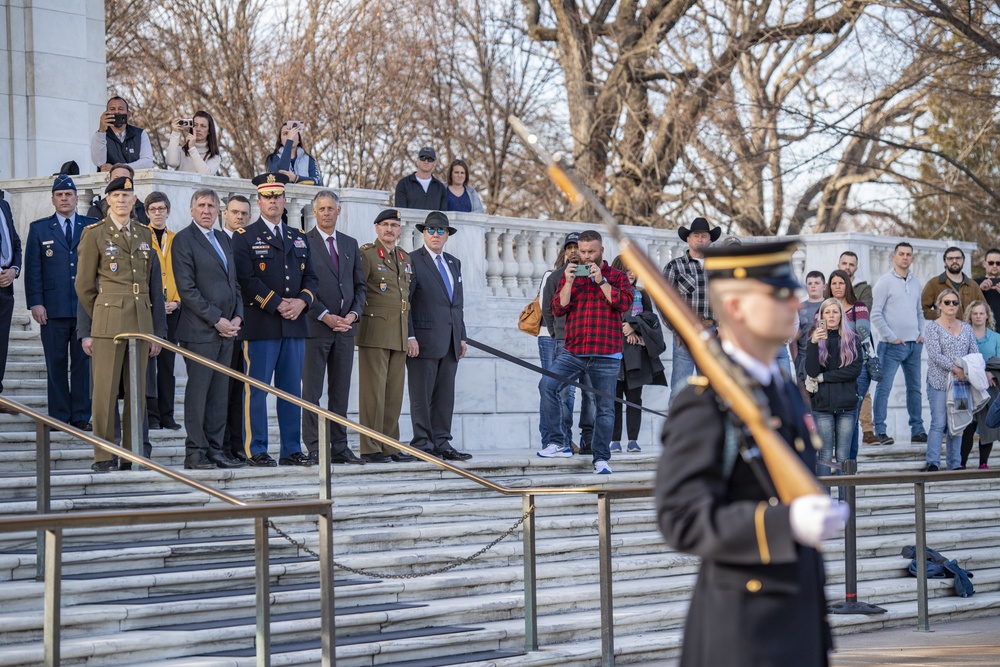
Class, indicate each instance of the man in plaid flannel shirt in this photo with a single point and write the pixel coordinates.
(593, 305)
(687, 274)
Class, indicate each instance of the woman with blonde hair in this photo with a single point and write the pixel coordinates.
(833, 361)
(980, 317)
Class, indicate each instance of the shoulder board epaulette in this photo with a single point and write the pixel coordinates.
(367, 246)
(241, 230)
(93, 224)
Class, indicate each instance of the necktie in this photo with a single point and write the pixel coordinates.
(333, 254)
(444, 276)
(277, 236)
(215, 244)
(68, 229)
(6, 252)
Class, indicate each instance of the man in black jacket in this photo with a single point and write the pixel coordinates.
(420, 189)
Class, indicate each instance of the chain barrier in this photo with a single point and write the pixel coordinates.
(383, 575)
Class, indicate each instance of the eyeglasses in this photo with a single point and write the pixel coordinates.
(157, 209)
(424, 158)
(391, 225)
(949, 302)
(436, 230)
(954, 259)
(989, 263)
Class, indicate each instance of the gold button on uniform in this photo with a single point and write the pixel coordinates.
(753, 585)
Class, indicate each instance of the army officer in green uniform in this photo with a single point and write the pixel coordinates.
(119, 285)
(382, 337)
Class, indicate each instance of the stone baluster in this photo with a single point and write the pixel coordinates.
(294, 208)
(494, 267)
(526, 267)
(539, 265)
(84, 198)
(799, 264)
(553, 244)
(510, 265)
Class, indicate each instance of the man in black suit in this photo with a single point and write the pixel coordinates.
(333, 320)
(49, 276)
(436, 339)
(235, 216)
(10, 269)
(205, 275)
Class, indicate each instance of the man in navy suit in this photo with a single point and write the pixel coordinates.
(278, 284)
(10, 269)
(49, 276)
(205, 275)
(333, 320)
(436, 339)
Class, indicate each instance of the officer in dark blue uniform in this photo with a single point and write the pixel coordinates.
(278, 284)
(49, 276)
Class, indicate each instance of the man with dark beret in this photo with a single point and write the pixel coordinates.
(759, 596)
(382, 337)
(119, 286)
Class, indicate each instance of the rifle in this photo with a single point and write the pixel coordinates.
(790, 475)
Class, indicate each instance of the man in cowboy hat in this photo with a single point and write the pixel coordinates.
(436, 338)
(687, 274)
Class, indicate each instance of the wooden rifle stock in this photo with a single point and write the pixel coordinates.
(790, 475)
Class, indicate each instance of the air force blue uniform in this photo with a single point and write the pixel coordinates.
(50, 263)
(270, 269)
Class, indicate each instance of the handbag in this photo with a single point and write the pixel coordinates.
(530, 319)
(872, 362)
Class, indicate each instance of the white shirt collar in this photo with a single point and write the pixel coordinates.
(758, 370)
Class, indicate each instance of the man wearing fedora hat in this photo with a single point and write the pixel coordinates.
(687, 274)
(436, 339)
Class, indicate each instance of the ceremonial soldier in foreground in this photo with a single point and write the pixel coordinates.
(119, 285)
(759, 598)
(382, 337)
(278, 284)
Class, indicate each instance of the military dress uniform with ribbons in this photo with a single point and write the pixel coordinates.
(382, 341)
(270, 269)
(119, 285)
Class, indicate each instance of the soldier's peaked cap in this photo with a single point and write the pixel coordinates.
(770, 263)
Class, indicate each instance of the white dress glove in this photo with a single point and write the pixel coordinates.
(816, 518)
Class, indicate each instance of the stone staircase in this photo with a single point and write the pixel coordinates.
(182, 594)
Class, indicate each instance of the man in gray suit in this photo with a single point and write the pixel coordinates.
(436, 339)
(211, 318)
(333, 320)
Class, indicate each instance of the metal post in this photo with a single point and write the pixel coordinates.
(851, 605)
(923, 623)
(262, 580)
(530, 597)
(43, 490)
(326, 591)
(53, 595)
(137, 402)
(607, 597)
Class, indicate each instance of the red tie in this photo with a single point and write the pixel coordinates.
(333, 255)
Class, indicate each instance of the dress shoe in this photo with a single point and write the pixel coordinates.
(237, 455)
(347, 457)
(375, 457)
(226, 461)
(403, 457)
(171, 426)
(262, 460)
(454, 455)
(296, 459)
(199, 464)
(82, 425)
(154, 426)
(104, 466)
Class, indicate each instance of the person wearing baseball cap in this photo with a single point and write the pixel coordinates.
(420, 189)
(49, 273)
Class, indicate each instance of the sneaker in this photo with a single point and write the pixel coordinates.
(930, 467)
(616, 447)
(983, 466)
(883, 439)
(919, 439)
(633, 446)
(602, 468)
(556, 452)
(870, 438)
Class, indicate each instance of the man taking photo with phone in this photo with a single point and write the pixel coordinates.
(592, 296)
(118, 142)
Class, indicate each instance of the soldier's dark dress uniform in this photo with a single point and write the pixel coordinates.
(270, 269)
(382, 340)
(758, 600)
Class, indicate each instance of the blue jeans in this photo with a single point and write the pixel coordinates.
(864, 382)
(892, 357)
(603, 373)
(836, 429)
(785, 361)
(546, 352)
(681, 368)
(586, 407)
(939, 427)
